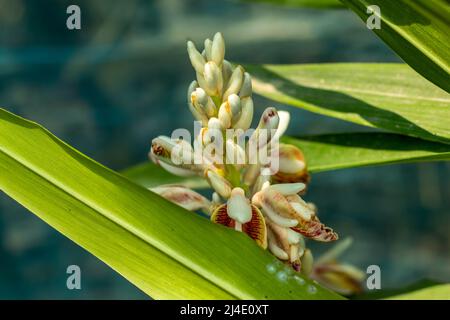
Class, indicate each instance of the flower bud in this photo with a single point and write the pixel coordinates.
(227, 70)
(235, 82)
(207, 52)
(251, 174)
(199, 115)
(262, 180)
(292, 165)
(203, 103)
(218, 49)
(191, 88)
(235, 154)
(175, 152)
(269, 119)
(213, 79)
(283, 124)
(307, 262)
(245, 119)
(229, 111)
(162, 147)
(216, 198)
(288, 188)
(265, 130)
(218, 183)
(342, 278)
(181, 172)
(183, 197)
(246, 89)
(197, 60)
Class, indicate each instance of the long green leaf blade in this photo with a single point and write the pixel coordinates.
(126, 253)
(163, 249)
(348, 150)
(320, 4)
(418, 31)
(387, 96)
(437, 292)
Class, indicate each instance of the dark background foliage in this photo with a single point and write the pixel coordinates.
(121, 80)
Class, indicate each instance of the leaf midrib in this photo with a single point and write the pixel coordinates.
(87, 204)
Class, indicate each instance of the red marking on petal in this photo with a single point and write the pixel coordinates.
(281, 177)
(255, 228)
(316, 230)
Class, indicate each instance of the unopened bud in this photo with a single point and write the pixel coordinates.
(246, 89)
(235, 82)
(235, 154)
(207, 51)
(197, 60)
(246, 117)
(307, 262)
(213, 79)
(184, 197)
(292, 165)
(227, 70)
(218, 49)
(202, 102)
(218, 183)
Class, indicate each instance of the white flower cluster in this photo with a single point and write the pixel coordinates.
(250, 198)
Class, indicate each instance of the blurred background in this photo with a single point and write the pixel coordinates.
(112, 86)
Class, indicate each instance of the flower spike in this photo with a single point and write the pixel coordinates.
(260, 196)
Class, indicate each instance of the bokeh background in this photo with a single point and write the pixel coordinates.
(121, 80)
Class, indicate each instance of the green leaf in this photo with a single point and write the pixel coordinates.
(391, 292)
(437, 292)
(163, 249)
(386, 96)
(347, 150)
(418, 31)
(150, 175)
(323, 4)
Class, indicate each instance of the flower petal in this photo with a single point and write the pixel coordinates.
(235, 82)
(197, 60)
(342, 278)
(238, 206)
(255, 228)
(218, 49)
(292, 165)
(184, 197)
(289, 188)
(218, 183)
(316, 230)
